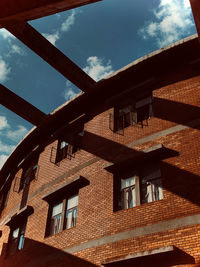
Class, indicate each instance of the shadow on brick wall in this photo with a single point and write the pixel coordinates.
(37, 254)
(178, 181)
(174, 111)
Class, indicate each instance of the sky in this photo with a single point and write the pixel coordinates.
(100, 38)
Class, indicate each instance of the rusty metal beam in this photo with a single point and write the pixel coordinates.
(20, 106)
(195, 4)
(177, 65)
(41, 46)
(24, 10)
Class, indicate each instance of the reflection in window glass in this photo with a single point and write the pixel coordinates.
(56, 218)
(128, 193)
(71, 212)
(151, 190)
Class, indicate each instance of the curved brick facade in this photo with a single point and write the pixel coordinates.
(166, 230)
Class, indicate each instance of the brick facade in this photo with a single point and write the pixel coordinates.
(101, 234)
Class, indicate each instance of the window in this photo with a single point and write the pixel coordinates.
(151, 188)
(132, 113)
(69, 146)
(138, 189)
(29, 173)
(16, 239)
(128, 195)
(71, 212)
(63, 214)
(143, 109)
(56, 216)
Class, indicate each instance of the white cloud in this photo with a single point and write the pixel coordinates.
(6, 34)
(172, 20)
(3, 159)
(66, 25)
(9, 133)
(15, 49)
(96, 69)
(6, 148)
(3, 123)
(16, 135)
(4, 70)
(69, 93)
(52, 38)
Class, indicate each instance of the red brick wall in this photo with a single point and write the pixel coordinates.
(173, 105)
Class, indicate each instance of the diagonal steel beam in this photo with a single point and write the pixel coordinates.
(20, 106)
(25, 10)
(195, 4)
(41, 46)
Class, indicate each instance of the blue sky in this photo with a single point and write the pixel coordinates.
(100, 38)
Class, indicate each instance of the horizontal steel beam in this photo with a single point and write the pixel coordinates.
(20, 106)
(41, 46)
(24, 10)
(166, 66)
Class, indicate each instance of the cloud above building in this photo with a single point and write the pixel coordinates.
(3, 123)
(3, 159)
(69, 22)
(9, 137)
(52, 38)
(70, 91)
(96, 68)
(171, 21)
(65, 26)
(17, 134)
(6, 34)
(6, 148)
(4, 70)
(15, 49)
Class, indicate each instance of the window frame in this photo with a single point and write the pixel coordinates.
(73, 145)
(21, 236)
(63, 220)
(124, 118)
(29, 173)
(149, 174)
(156, 176)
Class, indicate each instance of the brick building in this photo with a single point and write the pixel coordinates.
(116, 181)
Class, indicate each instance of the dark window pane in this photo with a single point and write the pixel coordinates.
(142, 113)
(75, 211)
(128, 193)
(55, 224)
(69, 219)
(21, 242)
(151, 190)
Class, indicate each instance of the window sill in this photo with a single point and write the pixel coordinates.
(59, 233)
(138, 206)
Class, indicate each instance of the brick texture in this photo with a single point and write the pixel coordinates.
(175, 104)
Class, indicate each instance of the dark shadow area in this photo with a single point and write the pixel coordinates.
(165, 259)
(86, 106)
(125, 159)
(37, 254)
(24, 198)
(177, 112)
(116, 153)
